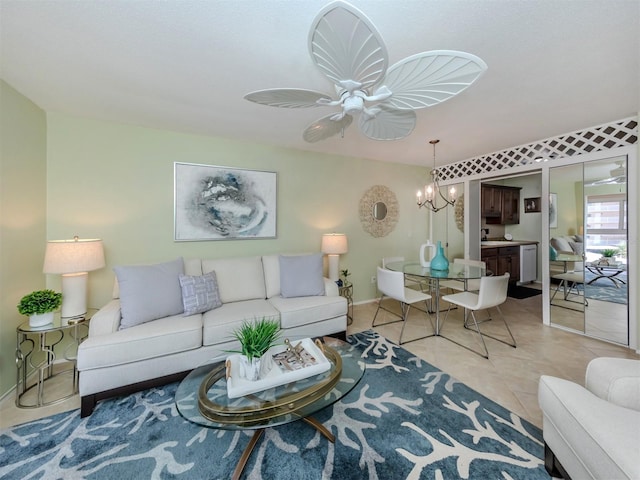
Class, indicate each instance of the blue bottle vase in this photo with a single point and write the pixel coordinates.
(439, 262)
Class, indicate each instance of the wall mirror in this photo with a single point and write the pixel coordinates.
(378, 211)
(589, 280)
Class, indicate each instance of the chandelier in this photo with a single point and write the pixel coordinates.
(432, 191)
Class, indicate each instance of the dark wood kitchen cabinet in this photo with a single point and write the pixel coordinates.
(510, 214)
(491, 201)
(500, 205)
(500, 260)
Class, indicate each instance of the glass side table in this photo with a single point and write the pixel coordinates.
(37, 362)
(346, 291)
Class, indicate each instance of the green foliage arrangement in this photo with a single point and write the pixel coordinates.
(609, 252)
(40, 301)
(257, 337)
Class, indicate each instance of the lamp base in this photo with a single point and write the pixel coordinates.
(333, 266)
(74, 294)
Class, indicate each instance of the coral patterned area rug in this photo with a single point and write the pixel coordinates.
(405, 419)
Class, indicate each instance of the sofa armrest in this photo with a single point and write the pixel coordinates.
(106, 320)
(591, 438)
(330, 288)
(616, 380)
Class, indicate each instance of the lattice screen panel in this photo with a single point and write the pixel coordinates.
(621, 133)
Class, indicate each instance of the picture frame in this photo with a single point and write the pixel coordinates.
(223, 203)
(553, 210)
(532, 204)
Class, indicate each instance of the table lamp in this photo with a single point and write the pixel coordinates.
(334, 244)
(74, 259)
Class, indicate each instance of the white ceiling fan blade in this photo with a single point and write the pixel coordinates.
(287, 97)
(429, 78)
(325, 127)
(345, 45)
(388, 123)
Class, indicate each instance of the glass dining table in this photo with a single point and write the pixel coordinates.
(456, 271)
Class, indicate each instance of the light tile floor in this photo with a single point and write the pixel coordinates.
(509, 377)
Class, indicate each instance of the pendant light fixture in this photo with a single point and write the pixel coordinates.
(432, 191)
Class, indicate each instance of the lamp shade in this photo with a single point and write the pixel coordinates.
(73, 256)
(334, 243)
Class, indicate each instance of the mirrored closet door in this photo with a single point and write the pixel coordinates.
(588, 248)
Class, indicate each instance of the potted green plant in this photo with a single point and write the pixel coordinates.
(607, 255)
(39, 306)
(345, 273)
(255, 339)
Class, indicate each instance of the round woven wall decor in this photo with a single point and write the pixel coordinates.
(458, 212)
(373, 196)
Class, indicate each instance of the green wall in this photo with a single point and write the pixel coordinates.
(115, 182)
(23, 183)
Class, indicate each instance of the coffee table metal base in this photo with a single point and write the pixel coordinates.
(256, 437)
(606, 271)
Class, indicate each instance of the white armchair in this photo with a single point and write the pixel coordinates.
(593, 432)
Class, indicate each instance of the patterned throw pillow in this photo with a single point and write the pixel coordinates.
(199, 293)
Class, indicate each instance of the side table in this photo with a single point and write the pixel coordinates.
(36, 357)
(346, 291)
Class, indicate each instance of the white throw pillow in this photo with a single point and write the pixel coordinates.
(199, 293)
(301, 275)
(149, 292)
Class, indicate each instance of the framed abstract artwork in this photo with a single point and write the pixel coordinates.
(223, 203)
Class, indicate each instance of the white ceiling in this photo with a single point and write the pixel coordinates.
(555, 66)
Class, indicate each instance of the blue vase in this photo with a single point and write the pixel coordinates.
(439, 262)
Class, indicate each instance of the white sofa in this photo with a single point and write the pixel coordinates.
(593, 432)
(115, 361)
(570, 245)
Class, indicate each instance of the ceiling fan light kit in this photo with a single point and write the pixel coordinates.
(347, 48)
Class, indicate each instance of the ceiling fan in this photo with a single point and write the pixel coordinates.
(618, 176)
(347, 48)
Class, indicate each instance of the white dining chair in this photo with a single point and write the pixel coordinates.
(570, 282)
(472, 285)
(409, 280)
(391, 285)
(491, 294)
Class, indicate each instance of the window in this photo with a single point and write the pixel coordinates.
(607, 221)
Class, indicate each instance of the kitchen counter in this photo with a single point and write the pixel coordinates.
(506, 243)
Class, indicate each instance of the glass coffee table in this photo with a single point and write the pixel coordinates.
(202, 397)
(609, 271)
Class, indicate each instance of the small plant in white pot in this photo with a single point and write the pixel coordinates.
(39, 306)
(255, 339)
(608, 255)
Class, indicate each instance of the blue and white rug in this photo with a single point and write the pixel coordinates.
(405, 419)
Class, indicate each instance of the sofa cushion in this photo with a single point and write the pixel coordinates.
(148, 292)
(219, 324)
(298, 311)
(238, 278)
(199, 293)
(301, 275)
(271, 266)
(155, 339)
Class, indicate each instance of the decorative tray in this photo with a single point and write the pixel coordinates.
(279, 367)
